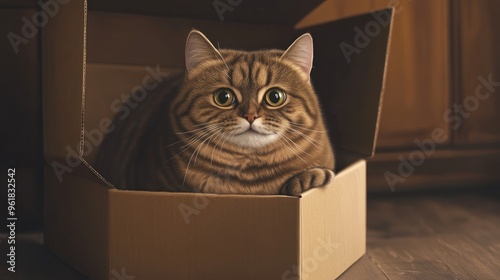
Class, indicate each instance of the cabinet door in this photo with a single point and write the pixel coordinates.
(418, 74)
(471, 156)
(477, 92)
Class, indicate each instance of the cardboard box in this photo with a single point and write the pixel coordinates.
(92, 57)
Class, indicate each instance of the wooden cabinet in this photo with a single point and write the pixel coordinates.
(439, 125)
(418, 76)
(443, 74)
(477, 52)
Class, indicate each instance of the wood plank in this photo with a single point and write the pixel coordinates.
(438, 237)
(452, 256)
(363, 269)
(441, 169)
(419, 214)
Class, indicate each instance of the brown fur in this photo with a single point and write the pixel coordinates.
(178, 139)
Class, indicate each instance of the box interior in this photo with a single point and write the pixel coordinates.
(121, 45)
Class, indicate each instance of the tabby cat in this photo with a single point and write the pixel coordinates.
(235, 123)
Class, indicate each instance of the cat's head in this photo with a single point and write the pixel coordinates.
(250, 99)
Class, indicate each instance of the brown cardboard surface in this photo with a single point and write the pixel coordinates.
(331, 10)
(226, 237)
(351, 90)
(63, 70)
(333, 224)
(117, 38)
(76, 221)
(101, 231)
(105, 86)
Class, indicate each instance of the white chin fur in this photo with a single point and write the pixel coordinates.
(256, 137)
(252, 139)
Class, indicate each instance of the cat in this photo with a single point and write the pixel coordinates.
(235, 122)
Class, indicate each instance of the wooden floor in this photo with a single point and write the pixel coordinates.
(449, 235)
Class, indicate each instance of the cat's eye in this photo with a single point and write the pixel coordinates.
(224, 97)
(275, 97)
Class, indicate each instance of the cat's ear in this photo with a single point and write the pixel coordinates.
(198, 50)
(301, 54)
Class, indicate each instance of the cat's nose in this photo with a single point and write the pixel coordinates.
(250, 117)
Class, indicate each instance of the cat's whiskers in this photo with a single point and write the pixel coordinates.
(308, 138)
(291, 150)
(184, 140)
(215, 147)
(198, 129)
(206, 145)
(206, 123)
(224, 142)
(191, 158)
(197, 137)
(202, 133)
(298, 147)
(302, 126)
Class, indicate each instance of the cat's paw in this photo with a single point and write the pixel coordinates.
(311, 178)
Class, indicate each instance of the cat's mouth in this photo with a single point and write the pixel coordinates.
(253, 137)
(252, 130)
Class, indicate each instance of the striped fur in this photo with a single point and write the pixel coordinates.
(178, 139)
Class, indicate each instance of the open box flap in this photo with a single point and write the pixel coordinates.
(331, 10)
(63, 76)
(350, 77)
